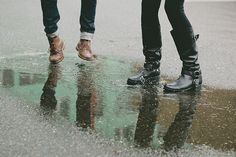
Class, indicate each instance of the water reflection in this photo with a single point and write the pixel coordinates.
(147, 117)
(178, 131)
(8, 78)
(86, 99)
(95, 97)
(48, 99)
(29, 79)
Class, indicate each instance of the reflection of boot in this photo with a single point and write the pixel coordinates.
(178, 131)
(151, 71)
(48, 99)
(191, 77)
(147, 118)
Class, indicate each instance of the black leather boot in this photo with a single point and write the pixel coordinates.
(191, 77)
(151, 72)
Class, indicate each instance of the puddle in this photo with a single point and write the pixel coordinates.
(94, 96)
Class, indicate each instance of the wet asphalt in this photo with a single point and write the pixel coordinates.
(80, 108)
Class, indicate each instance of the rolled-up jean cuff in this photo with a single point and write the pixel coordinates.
(52, 35)
(86, 36)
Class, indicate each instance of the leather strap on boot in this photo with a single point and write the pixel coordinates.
(188, 80)
(150, 73)
(152, 58)
(196, 76)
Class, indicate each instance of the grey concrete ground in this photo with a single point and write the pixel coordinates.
(24, 131)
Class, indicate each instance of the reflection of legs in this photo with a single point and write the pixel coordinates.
(178, 131)
(147, 118)
(87, 20)
(48, 100)
(86, 101)
(83, 110)
(151, 35)
(185, 41)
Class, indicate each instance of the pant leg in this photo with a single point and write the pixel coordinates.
(151, 30)
(176, 15)
(50, 15)
(87, 16)
(183, 34)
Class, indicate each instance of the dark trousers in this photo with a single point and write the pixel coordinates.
(51, 15)
(151, 30)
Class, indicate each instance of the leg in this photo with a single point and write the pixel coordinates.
(87, 18)
(151, 30)
(151, 36)
(185, 41)
(176, 15)
(87, 29)
(50, 15)
(50, 18)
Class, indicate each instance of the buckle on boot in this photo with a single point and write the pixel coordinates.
(196, 74)
(196, 37)
(196, 79)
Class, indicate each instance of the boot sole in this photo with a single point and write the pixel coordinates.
(152, 80)
(191, 88)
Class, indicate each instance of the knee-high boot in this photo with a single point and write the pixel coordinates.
(191, 77)
(151, 71)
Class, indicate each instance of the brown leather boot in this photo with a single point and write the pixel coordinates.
(84, 50)
(56, 50)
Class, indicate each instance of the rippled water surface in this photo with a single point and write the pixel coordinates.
(94, 97)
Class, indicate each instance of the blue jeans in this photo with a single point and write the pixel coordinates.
(51, 15)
